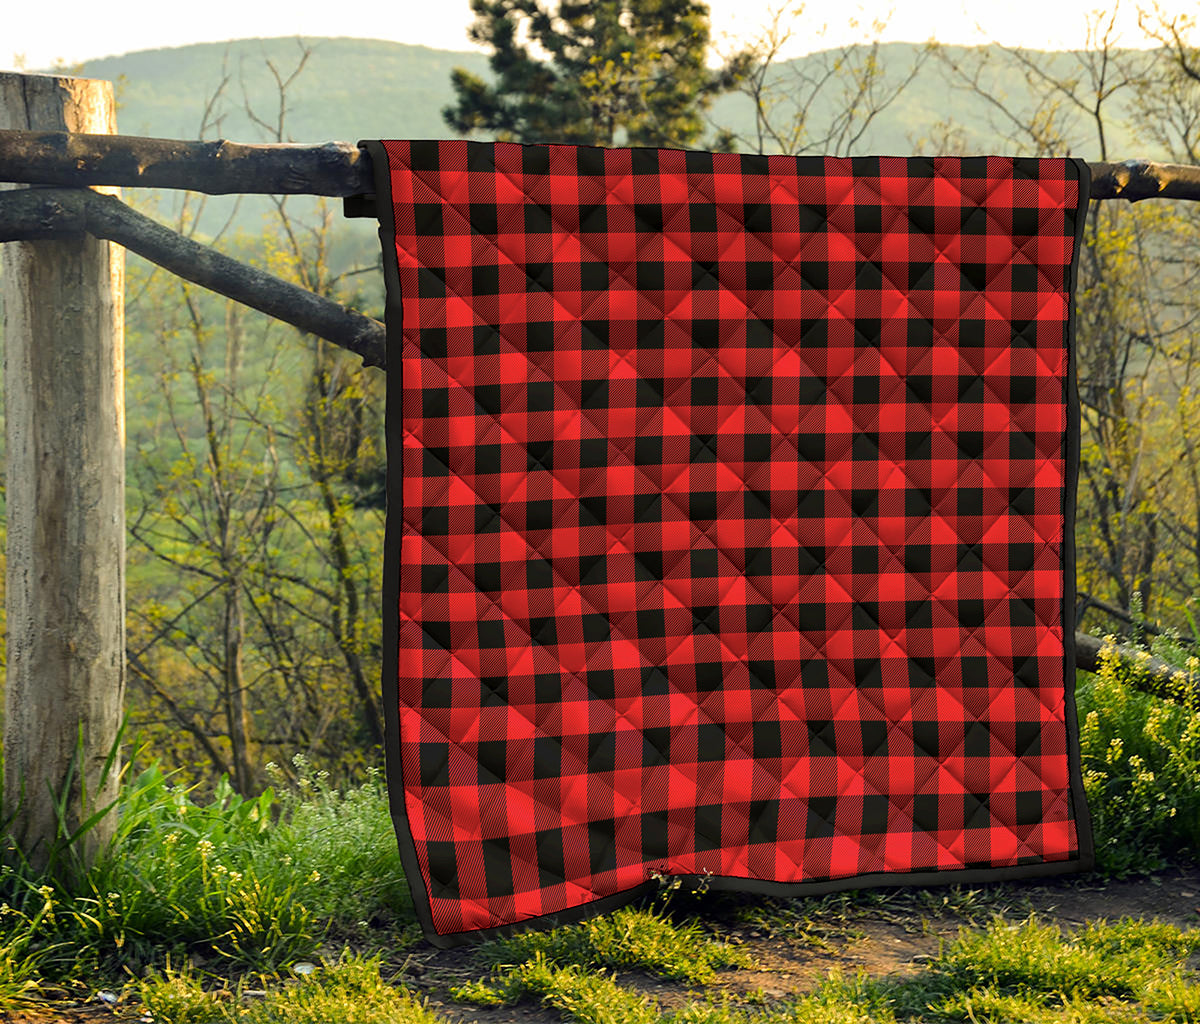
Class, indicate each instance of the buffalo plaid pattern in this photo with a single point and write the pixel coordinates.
(734, 523)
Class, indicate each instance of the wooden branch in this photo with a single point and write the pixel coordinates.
(1135, 180)
(38, 213)
(342, 169)
(1137, 668)
(217, 168)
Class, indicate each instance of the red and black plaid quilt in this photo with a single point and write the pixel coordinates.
(729, 524)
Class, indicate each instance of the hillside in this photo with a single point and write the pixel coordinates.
(350, 89)
(364, 88)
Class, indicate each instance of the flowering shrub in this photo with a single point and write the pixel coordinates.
(1141, 764)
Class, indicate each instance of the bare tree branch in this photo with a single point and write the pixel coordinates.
(47, 213)
(219, 167)
(1135, 180)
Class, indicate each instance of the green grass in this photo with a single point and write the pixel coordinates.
(1026, 971)
(346, 836)
(583, 995)
(349, 991)
(254, 883)
(824, 923)
(630, 938)
(1130, 970)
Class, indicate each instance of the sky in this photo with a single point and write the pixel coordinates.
(78, 32)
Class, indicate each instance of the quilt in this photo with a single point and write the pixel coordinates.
(729, 530)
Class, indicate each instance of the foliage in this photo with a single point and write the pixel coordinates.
(254, 518)
(1141, 766)
(627, 72)
(1026, 971)
(347, 837)
(254, 883)
(585, 996)
(26, 943)
(193, 871)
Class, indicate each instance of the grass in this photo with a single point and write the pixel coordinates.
(630, 938)
(1007, 973)
(254, 883)
(823, 923)
(348, 991)
(1129, 970)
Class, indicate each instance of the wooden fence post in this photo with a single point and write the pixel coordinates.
(64, 396)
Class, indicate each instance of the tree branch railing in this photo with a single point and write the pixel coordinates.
(343, 169)
(216, 168)
(69, 162)
(35, 213)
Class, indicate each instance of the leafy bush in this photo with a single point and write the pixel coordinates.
(256, 881)
(347, 838)
(192, 876)
(1141, 765)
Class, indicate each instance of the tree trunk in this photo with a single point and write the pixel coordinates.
(347, 634)
(65, 436)
(238, 715)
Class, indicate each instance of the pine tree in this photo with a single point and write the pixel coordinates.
(601, 72)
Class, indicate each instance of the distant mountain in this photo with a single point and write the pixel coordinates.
(350, 88)
(367, 88)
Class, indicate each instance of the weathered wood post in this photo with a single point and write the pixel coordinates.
(64, 395)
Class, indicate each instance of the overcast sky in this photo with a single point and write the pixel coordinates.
(73, 31)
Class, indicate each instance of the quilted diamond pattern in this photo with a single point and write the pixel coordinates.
(729, 522)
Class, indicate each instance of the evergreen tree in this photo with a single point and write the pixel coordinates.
(602, 72)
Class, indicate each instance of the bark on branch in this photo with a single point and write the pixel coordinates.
(342, 169)
(37, 213)
(1135, 180)
(1137, 668)
(217, 168)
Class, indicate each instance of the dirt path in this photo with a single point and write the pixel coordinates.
(889, 937)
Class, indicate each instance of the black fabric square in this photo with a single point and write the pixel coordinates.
(551, 867)
(602, 846)
(435, 764)
(650, 276)
(491, 633)
(703, 217)
(764, 821)
(483, 218)
(821, 817)
(710, 742)
(707, 829)
(654, 835)
(814, 674)
(547, 758)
